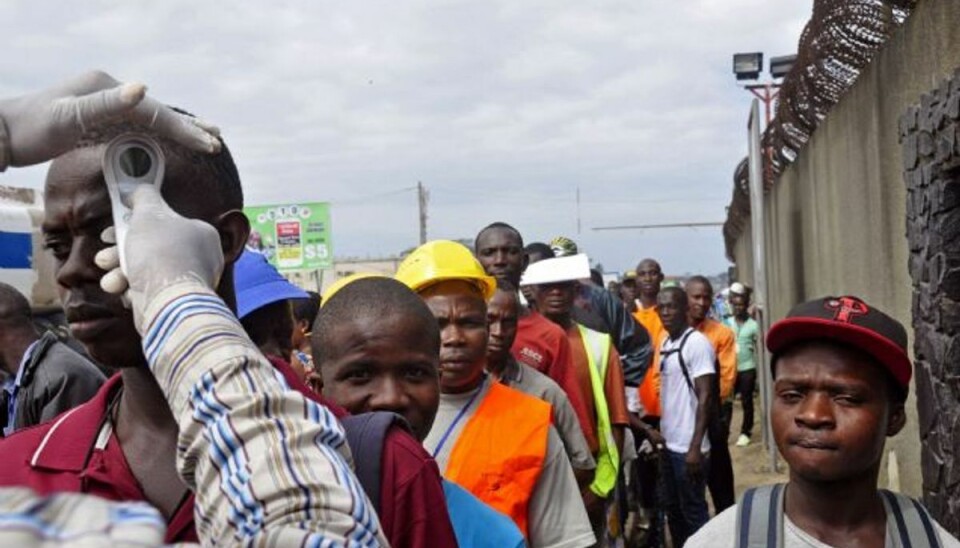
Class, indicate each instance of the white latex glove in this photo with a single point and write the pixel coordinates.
(44, 125)
(161, 248)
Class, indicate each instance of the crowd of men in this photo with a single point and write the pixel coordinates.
(495, 396)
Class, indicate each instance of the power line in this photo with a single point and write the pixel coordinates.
(656, 226)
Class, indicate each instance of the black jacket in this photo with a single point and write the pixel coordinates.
(602, 311)
(56, 379)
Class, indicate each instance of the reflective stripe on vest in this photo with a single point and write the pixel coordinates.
(597, 346)
(500, 453)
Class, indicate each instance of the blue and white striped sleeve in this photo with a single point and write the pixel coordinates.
(267, 464)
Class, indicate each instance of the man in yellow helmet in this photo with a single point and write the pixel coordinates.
(494, 441)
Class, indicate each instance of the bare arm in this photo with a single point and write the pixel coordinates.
(702, 388)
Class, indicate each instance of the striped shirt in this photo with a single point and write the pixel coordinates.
(267, 465)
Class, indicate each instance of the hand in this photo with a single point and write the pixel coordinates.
(593, 504)
(656, 439)
(44, 125)
(161, 248)
(694, 464)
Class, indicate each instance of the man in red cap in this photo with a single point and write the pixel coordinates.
(841, 377)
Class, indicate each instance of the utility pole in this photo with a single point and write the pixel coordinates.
(422, 197)
(578, 209)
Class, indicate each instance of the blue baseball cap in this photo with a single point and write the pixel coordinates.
(258, 284)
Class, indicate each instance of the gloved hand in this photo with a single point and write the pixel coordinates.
(39, 127)
(161, 248)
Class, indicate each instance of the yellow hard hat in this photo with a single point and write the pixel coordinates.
(344, 282)
(444, 260)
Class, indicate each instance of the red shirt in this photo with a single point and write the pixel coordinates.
(543, 345)
(62, 455)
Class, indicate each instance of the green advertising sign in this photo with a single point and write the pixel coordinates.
(292, 236)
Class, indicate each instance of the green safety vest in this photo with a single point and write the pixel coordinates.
(597, 346)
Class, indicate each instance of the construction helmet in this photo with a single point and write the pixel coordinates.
(444, 260)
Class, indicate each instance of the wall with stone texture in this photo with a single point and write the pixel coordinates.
(930, 137)
(835, 220)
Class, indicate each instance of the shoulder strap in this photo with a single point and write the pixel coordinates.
(760, 518)
(683, 362)
(366, 433)
(914, 526)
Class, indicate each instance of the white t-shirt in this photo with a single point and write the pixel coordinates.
(678, 403)
(556, 515)
(720, 532)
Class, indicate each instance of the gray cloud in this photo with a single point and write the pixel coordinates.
(501, 108)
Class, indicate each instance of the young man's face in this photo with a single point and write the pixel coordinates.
(739, 305)
(556, 300)
(700, 299)
(832, 412)
(77, 210)
(384, 364)
(461, 316)
(649, 278)
(502, 312)
(672, 308)
(500, 251)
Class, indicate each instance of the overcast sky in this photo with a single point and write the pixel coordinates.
(501, 108)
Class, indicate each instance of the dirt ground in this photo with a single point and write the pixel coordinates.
(751, 464)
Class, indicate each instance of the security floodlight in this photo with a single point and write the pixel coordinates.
(780, 66)
(747, 66)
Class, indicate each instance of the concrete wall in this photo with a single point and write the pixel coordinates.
(835, 220)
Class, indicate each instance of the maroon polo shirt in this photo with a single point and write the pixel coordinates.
(61, 455)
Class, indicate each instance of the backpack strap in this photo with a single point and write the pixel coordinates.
(366, 433)
(679, 352)
(760, 518)
(913, 524)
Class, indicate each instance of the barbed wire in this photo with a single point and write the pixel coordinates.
(840, 39)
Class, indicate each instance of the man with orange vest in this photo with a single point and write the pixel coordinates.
(649, 276)
(648, 280)
(494, 441)
(721, 337)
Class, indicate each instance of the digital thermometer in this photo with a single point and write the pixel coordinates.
(130, 160)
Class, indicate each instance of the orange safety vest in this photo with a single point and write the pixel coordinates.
(500, 453)
(649, 389)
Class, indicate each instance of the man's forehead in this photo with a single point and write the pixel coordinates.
(365, 331)
(455, 295)
(504, 299)
(498, 236)
(74, 170)
(75, 183)
(648, 265)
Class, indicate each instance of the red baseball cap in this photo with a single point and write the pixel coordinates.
(851, 321)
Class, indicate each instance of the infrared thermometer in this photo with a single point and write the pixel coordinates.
(130, 160)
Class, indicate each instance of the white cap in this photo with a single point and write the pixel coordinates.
(559, 269)
(738, 288)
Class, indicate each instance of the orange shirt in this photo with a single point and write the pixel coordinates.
(543, 345)
(649, 318)
(725, 345)
(613, 385)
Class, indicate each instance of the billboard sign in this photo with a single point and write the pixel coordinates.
(292, 236)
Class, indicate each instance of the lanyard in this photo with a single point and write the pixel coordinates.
(458, 418)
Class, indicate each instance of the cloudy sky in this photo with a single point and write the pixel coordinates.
(501, 108)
